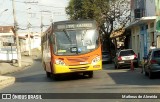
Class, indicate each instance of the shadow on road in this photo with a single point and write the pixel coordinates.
(43, 78)
(125, 76)
(129, 77)
(33, 78)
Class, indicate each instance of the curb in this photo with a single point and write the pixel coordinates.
(6, 81)
(14, 69)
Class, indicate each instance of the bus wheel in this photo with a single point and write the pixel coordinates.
(48, 74)
(57, 77)
(90, 74)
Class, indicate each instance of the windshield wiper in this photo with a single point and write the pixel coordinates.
(69, 38)
(83, 34)
(67, 35)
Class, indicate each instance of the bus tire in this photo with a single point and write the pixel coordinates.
(48, 74)
(56, 77)
(90, 74)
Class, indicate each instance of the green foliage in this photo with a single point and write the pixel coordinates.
(86, 9)
(111, 15)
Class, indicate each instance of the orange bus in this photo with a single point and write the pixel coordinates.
(71, 47)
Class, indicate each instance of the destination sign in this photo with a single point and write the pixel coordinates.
(73, 26)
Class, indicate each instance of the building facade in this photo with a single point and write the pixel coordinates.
(144, 25)
(24, 41)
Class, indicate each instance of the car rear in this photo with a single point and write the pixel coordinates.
(126, 56)
(155, 61)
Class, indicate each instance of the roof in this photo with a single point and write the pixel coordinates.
(6, 29)
(117, 33)
(141, 21)
(74, 21)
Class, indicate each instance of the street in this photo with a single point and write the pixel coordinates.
(108, 80)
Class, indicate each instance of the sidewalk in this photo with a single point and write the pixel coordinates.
(6, 68)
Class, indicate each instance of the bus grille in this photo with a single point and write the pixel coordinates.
(79, 68)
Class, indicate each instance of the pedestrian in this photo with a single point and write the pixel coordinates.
(152, 46)
(146, 58)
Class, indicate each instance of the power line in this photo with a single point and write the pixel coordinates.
(22, 23)
(39, 5)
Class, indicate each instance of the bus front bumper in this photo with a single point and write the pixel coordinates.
(59, 69)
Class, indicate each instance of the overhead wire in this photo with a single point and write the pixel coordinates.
(38, 7)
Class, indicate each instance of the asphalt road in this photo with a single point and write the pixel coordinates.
(108, 80)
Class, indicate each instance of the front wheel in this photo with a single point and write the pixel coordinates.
(150, 75)
(136, 65)
(146, 73)
(48, 74)
(115, 66)
(90, 74)
(118, 67)
(58, 77)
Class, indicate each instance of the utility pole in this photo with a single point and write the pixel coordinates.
(29, 36)
(41, 35)
(41, 24)
(42, 21)
(28, 26)
(15, 31)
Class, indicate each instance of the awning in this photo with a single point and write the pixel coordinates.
(117, 33)
(141, 21)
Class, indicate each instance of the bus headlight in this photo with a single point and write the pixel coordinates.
(95, 60)
(59, 62)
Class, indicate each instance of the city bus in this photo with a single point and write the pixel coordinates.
(71, 47)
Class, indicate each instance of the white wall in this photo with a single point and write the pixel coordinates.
(150, 8)
(36, 43)
(136, 39)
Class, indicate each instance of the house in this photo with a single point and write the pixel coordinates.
(144, 26)
(7, 37)
(8, 50)
(35, 40)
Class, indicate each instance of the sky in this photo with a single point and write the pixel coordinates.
(29, 12)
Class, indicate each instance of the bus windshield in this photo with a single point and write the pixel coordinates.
(72, 42)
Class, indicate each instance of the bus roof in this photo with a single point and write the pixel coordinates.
(74, 21)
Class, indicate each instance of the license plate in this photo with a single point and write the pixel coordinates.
(121, 62)
(127, 58)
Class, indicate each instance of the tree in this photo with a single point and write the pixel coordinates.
(111, 15)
